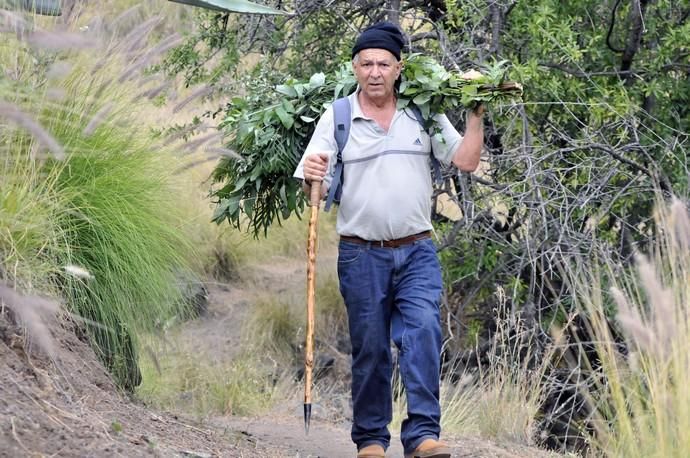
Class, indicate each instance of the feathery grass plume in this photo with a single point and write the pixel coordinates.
(125, 16)
(136, 38)
(60, 40)
(641, 396)
(200, 92)
(35, 313)
(59, 70)
(185, 131)
(198, 142)
(13, 113)
(78, 272)
(680, 222)
(98, 119)
(194, 163)
(630, 319)
(224, 152)
(166, 44)
(155, 92)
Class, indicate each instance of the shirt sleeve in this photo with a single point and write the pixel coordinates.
(447, 141)
(322, 141)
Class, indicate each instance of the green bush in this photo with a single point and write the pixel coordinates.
(105, 204)
(122, 226)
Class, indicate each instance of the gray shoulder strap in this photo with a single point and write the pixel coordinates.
(342, 118)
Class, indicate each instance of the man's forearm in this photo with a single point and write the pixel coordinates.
(466, 157)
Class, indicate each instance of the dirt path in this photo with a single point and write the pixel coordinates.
(68, 406)
(332, 441)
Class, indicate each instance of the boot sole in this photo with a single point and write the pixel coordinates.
(438, 452)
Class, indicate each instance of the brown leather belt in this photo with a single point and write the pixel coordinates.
(395, 243)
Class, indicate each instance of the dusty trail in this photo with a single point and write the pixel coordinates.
(69, 406)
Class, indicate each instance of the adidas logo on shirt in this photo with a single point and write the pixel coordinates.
(418, 142)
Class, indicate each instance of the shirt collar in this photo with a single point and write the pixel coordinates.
(357, 109)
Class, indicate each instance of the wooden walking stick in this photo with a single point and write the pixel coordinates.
(314, 201)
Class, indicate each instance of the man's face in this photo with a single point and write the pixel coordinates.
(376, 71)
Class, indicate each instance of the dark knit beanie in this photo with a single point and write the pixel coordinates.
(382, 35)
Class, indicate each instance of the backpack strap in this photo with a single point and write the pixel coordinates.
(342, 118)
(435, 164)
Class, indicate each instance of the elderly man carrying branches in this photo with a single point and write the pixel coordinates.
(389, 273)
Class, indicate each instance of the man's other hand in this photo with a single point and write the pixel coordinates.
(315, 166)
(471, 75)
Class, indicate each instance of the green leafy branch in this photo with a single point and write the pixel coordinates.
(433, 89)
(271, 127)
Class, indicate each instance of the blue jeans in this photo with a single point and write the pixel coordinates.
(393, 293)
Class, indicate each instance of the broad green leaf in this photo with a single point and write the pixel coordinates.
(421, 99)
(289, 107)
(317, 80)
(286, 90)
(285, 118)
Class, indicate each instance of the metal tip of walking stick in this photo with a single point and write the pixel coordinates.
(307, 417)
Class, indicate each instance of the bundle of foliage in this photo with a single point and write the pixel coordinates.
(271, 127)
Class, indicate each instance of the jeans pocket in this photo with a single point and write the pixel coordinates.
(349, 253)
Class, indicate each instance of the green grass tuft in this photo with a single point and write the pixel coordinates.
(108, 207)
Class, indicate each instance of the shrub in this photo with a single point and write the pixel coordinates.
(89, 188)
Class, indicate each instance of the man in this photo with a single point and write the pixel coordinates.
(389, 274)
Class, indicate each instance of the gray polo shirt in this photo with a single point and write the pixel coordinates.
(386, 176)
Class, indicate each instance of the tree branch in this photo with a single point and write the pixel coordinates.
(393, 7)
(423, 36)
(611, 25)
(637, 28)
(496, 16)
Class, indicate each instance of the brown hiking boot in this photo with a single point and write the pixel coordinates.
(430, 448)
(371, 451)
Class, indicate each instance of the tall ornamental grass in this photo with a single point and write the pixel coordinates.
(123, 226)
(101, 214)
(30, 237)
(642, 397)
